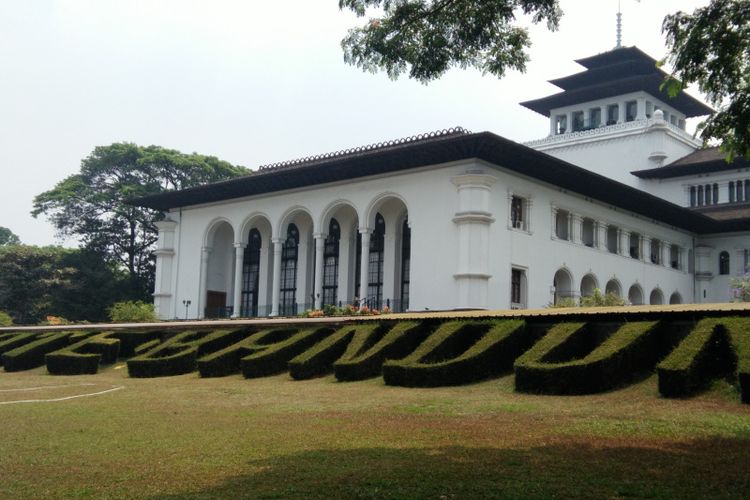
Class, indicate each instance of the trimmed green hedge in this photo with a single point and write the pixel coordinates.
(84, 356)
(227, 361)
(714, 347)
(10, 341)
(31, 355)
(319, 358)
(131, 340)
(459, 352)
(368, 350)
(179, 354)
(270, 352)
(562, 362)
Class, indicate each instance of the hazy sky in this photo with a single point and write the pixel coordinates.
(248, 81)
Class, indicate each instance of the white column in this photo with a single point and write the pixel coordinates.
(364, 264)
(664, 249)
(621, 112)
(205, 254)
(640, 108)
(603, 112)
(265, 273)
(624, 242)
(276, 284)
(320, 240)
(569, 122)
(239, 261)
(645, 250)
(552, 123)
(577, 228)
(553, 225)
(601, 235)
(569, 223)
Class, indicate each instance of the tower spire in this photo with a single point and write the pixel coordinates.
(619, 26)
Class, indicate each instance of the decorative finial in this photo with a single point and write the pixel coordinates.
(619, 30)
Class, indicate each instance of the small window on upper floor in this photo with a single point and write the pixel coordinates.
(715, 189)
(577, 121)
(588, 232)
(631, 110)
(655, 252)
(519, 216)
(562, 224)
(612, 239)
(613, 114)
(731, 191)
(635, 245)
(595, 117)
(674, 257)
(693, 196)
(561, 124)
(724, 262)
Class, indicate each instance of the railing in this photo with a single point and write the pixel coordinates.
(218, 312)
(594, 131)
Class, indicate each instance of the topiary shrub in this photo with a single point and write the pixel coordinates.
(132, 312)
(132, 340)
(272, 351)
(12, 340)
(31, 354)
(179, 354)
(459, 352)
(368, 350)
(5, 319)
(84, 356)
(227, 361)
(319, 358)
(714, 347)
(562, 362)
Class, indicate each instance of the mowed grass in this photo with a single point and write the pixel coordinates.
(187, 437)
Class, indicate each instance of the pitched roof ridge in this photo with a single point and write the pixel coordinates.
(377, 146)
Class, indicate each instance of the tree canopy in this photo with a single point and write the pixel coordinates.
(428, 37)
(7, 237)
(91, 207)
(711, 47)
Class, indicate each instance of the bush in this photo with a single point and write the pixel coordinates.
(597, 299)
(714, 347)
(84, 356)
(32, 354)
(5, 319)
(551, 366)
(131, 341)
(368, 350)
(319, 358)
(227, 361)
(12, 340)
(271, 354)
(132, 312)
(179, 354)
(459, 353)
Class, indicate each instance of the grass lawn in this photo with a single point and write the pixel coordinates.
(186, 437)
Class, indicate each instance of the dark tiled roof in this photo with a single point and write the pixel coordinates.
(434, 151)
(613, 73)
(738, 211)
(702, 161)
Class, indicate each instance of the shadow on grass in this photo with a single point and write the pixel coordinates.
(711, 468)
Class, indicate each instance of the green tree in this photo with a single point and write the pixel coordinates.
(428, 37)
(36, 282)
(91, 205)
(7, 237)
(711, 47)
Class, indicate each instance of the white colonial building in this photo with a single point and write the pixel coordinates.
(617, 197)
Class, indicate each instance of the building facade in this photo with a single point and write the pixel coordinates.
(454, 220)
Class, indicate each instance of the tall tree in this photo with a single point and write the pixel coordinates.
(7, 237)
(90, 206)
(428, 37)
(711, 47)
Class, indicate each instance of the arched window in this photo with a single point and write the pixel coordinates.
(287, 295)
(708, 194)
(700, 196)
(716, 193)
(724, 262)
(740, 191)
(405, 265)
(731, 191)
(693, 198)
(250, 275)
(331, 264)
(747, 189)
(375, 264)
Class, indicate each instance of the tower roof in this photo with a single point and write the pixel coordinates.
(616, 72)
